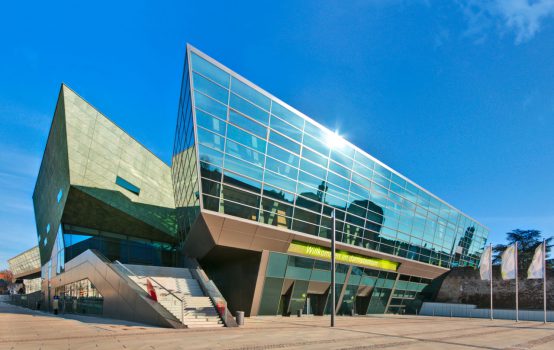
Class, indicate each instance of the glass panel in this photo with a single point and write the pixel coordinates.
(210, 139)
(313, 169)
(250, 94)
(279, 181)
(127, 185)
(245, 138)
(242, 167)
(341, 159)
(276, 213)
(276, 265)
(314, 157)
(286, 129)
(244, 153)
(248, 124)
(269, 304)
(239, 210)
(210, 155)
(249, 109)
(315, 144)
(339, 169)
(209, 70)
(281, 168)
(287, 115)
(210, 105)
(282, 155)
(242, 182)
(210, 171)
(213, 90)
(207, 121)
(284, 142)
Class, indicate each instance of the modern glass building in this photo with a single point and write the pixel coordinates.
(257, 181)
(242, 217)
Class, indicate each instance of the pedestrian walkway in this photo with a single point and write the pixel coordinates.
(26, 329)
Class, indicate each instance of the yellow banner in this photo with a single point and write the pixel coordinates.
(318, 252)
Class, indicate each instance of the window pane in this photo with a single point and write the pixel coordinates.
(233, 196)
(242, 182)
(277, 193)
(242, 167)
(209, 155)
(244, 153)
(279, 181)
(249, 109)
(287, 115)
(312, 169)
(316, 145)
(282, 155)
(209, 70)
(314, 157)
(341, 159)
(281, 168)
(248, 124)
(204, 85)
(210, 105)
(249, 93)
(210, 139)
(210, 171)
(284, 142)
(245, 138)
(286, 129)
(207, 121)
(339, 169)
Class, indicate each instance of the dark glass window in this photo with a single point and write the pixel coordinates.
(127, 185)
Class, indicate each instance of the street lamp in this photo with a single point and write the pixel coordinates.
(333, 238)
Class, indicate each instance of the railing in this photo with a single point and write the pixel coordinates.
(210, 289)
(159, 284)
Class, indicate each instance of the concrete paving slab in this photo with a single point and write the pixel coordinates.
(26, 329)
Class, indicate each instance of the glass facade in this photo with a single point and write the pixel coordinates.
(260, 160)
(184, 169)
(80, 297)
(26, 262)
(292, 283)
(126, 249)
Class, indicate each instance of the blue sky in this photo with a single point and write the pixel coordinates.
(458, 96)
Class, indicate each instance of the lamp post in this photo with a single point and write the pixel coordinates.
(334, 307)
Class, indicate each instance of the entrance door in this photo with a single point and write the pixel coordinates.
(362, 299)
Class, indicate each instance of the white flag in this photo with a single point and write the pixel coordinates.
(536, 268)
(485, 267)
(509, 263)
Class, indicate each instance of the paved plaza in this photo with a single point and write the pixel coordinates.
(25, 329)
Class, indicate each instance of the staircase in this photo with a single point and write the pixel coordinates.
(178, 292)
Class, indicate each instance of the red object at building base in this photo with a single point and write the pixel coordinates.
(151, 291)
(221, 308)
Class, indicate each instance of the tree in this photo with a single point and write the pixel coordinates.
(527, 242)
(6, 275)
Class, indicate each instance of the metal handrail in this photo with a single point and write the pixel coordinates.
(159, 284)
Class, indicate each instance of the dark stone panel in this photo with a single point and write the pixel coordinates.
(234, 271)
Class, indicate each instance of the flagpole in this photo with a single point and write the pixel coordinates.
(490, 277)
(544, 276)
(517, 296)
